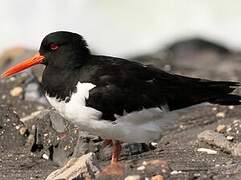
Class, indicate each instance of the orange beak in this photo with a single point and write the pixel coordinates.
(37, 59)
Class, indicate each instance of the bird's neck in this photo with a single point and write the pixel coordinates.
(59, 83)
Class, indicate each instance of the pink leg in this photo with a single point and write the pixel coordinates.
(114, 168)
(116, 152)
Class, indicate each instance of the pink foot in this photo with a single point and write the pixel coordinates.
(113, 169)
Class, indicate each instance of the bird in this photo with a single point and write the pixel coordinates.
(114, 98)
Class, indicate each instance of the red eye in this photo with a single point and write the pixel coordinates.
(54, 46)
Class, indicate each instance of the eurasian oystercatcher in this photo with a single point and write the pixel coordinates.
(114, 98)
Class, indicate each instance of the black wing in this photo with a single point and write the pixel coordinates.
(128, 86)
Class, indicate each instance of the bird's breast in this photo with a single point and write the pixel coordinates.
(75, 108)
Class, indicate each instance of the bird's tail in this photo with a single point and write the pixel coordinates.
(219, 92)
(196, 91)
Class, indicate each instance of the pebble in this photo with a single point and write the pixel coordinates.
(16, 91)
(30, 117)
(157, 177)
(66, 148)
(45, 156)
(133, 177)
(141, 168)
(12, 78)
(196, 174)
(23, 130)
(144, 163)
(18, 127)
(230, 138)
(220, 114)
(208, 151)
(4, 97)
(221, 128)
(154, 144)
(182, 126)
(229, 129)
(175, 172)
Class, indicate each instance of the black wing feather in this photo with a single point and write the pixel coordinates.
(128, 86)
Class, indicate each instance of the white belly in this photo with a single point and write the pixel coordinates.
(141, 126)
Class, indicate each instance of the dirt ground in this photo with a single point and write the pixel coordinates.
(179, 149)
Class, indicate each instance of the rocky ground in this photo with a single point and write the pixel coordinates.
(35, 141)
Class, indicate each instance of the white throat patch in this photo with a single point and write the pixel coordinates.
(75, 110)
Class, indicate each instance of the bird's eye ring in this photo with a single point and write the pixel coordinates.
(54, 46)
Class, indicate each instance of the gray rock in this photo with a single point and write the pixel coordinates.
(213, 138)
(77, 168)
(58, 122)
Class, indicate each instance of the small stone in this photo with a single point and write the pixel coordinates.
(220, 114)
(230, 107)
(141, 168)
(39, 108)
(45, 156)
(16, 91)
(196, 174)
(154, 144)
(23, 130)
(30, 117)
(175, 172)
(157, 162)
(236, 123)
(182, 126)
(230, 138)
(133, 177)
(157, 177)
(221, 128)
(208, 151)
(228, 129)
(18, 127)
(144, 163)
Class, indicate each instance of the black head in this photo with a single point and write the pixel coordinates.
(64, 49)
(59, 51)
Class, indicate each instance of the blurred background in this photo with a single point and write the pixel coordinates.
(121, 28)
(198, 38)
